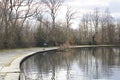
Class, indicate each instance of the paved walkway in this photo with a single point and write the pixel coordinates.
(10, 61)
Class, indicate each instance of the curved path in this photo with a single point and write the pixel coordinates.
(10, 60)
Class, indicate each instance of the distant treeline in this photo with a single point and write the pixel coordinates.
(23, 24)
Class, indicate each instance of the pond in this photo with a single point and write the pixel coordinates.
(102, 63)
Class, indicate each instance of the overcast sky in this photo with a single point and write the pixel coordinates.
(85, 6)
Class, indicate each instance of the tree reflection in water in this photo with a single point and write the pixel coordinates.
(75, 64)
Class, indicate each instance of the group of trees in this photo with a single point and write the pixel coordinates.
(23, 23)
(99, 28)
(15, 29)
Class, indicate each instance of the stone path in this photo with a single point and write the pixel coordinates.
(10, 61)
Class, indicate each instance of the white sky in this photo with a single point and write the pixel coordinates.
(85, 6)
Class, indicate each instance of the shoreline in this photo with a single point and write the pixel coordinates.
(12, 71)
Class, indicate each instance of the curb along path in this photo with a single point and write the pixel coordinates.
(12, 71)
(10, 60)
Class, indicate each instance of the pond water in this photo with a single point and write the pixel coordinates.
(101, 63)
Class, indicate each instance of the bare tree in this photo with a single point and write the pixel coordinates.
(5, 19)
(95, 17)
(53, 6)
(15, 12)
(109, 26)
(85, 24)
(117, 32)
(70, 15)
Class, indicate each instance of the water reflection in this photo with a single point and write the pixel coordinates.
(76, 64)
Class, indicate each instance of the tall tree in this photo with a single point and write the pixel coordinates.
(110, 26)
(95, 17)
(14, 16)
(53, 6)
(70, 15)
